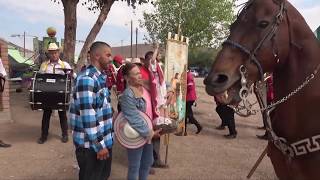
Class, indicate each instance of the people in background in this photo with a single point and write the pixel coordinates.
(226, 115)
(3, 74)
(53, 66)
(191, 98)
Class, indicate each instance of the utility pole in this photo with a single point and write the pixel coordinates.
(136, 42)
(122, 47)
(131, 41)
(24, 36)
(24, 44)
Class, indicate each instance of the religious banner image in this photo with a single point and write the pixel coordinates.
(176, 62)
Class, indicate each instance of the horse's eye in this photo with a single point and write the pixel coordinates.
(263, 24)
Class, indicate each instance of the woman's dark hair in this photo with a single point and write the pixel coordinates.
(127, 68)
(148, 55)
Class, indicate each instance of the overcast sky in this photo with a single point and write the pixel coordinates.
(34, 16)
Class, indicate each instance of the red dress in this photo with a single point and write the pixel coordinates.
(111, 76)
(191, 88)
(270, 94)
(148, 76)
(120, 82)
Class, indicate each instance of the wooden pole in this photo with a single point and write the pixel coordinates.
(131, 42)
(167, 149)
(257, 162)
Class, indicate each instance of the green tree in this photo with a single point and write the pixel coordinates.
(103, 7)
(70, 28)
(205, 22)
(201, 57)
(70, 13)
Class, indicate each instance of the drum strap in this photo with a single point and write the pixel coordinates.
(45, 66)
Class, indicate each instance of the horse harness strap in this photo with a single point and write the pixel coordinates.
(295, 149)
(268, 36)
(291, 150)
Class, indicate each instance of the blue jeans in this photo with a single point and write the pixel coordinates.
(140, 161)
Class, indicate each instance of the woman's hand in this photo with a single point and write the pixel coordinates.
(156, 133)
(169, 97)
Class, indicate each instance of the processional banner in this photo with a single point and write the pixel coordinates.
(176, 62)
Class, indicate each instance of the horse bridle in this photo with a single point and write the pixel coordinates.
(244, 91)
(268, 36)
(290, 150)
(279, 142)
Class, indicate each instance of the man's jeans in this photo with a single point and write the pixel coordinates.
(90, 167)
(46, 122)
(140, 161)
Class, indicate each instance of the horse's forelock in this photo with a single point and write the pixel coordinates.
(244, 6)
(278, 2)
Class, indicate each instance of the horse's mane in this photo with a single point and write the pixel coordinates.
(244, 6)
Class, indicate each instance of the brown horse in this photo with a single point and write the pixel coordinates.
(271, 36)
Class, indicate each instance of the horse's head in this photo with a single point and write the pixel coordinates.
(258, 39)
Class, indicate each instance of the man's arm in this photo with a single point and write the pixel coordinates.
(43, 67)
(155, 54)
(131, 113)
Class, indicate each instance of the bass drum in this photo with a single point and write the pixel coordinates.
(50, 91)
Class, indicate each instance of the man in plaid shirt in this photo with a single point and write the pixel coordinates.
(91, 116)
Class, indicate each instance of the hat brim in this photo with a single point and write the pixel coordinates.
(130, 143)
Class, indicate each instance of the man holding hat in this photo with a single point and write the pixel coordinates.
(53, 66)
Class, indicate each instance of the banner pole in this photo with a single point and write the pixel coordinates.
(167, 149)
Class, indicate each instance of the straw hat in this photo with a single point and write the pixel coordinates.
(53, 47)
(126, 135)
(136, 61)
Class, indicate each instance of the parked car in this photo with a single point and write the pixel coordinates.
(194, 73)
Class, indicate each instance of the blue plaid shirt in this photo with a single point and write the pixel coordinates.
(90, 111)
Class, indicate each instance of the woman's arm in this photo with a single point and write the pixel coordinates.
(131, 113)
(155, 54)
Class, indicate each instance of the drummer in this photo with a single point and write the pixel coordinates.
(53, 66)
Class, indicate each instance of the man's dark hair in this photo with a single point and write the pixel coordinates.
(148, 55)
(97, 46)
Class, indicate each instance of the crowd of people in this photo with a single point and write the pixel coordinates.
(139, 86)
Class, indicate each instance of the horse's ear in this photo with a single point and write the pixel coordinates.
(279, 1)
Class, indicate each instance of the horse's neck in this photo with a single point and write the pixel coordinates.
(300, 111)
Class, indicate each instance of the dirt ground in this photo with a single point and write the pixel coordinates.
(205, 156)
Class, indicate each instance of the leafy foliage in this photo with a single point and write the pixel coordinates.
(205, 22)
(103, 8)
(201, 57)
(96, 5)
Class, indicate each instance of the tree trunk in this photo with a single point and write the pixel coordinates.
(94, 32)
(70, 29)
